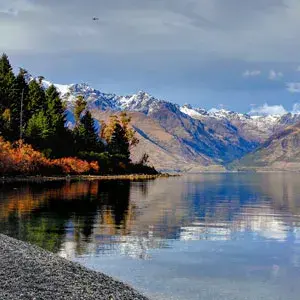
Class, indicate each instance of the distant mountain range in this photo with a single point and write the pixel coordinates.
(278, 153)
(184, 138)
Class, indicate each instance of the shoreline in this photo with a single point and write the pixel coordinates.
(131, 177)
(30, 272)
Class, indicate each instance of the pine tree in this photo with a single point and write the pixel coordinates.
(6, 82)
(36, 97)
(7, 96)
(118, 144)
(38, 131)
(20, 102)
(56, 117)
(91, 140)
(55, 109)
(86, 136)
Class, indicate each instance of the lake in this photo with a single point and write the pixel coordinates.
(206, 236)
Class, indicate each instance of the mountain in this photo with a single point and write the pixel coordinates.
(179, 137)
(252, 128)
(280, 152)
(192, 142)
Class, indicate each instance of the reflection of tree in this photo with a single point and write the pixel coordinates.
(115, 197)
(48, 214)
(131, 217)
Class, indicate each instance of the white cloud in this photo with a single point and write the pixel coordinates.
(298, 69)
(266, 110)
(293, 87)
(296, 108)
(273, 75)
(252, 73)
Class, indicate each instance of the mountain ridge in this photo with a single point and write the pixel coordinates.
(197, 137)
(281, 152)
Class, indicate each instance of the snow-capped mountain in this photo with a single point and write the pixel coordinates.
(254, 127)
(180, 137)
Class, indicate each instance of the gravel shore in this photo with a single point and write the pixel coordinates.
(29, 272)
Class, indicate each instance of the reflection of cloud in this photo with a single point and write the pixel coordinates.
(261, 221)
(212, 232)
(138, 247)
(131, 246)
(264, 222)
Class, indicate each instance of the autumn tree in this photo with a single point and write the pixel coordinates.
(119, 136)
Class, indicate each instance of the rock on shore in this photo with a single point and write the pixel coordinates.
(29, 272)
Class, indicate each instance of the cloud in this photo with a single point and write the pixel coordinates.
(252, 73)
(293, 87)
(9, 11)
(273, 75)
(201, 28)
(296, 108)
(266, 110)
(167, 44)
(298, 69)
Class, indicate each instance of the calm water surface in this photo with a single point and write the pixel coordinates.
(212, 236)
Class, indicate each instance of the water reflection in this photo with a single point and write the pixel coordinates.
(129, 218)
(49, 214)
(212, 236)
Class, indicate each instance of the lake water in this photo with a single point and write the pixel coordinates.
(210, 236)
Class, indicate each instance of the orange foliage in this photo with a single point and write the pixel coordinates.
(74, 165)
(20, 158)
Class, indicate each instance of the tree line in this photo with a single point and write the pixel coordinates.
(36, 115)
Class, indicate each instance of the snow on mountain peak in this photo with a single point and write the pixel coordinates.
(146, 103)
(194, 113)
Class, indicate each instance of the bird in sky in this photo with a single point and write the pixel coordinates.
(95, 19)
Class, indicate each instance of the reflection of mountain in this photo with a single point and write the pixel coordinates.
(269, 207)
(130, 218)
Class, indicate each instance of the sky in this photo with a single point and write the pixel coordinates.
(241, 55)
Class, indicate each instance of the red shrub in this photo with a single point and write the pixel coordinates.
(20, 158)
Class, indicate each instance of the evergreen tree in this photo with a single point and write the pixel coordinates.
(38, 131)
(18, 103)
(36, 97)
(7, 96)
(55, 110)
(56, 117)
(90, 137)
(86, 136)
(7, 79)
(119, 144)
